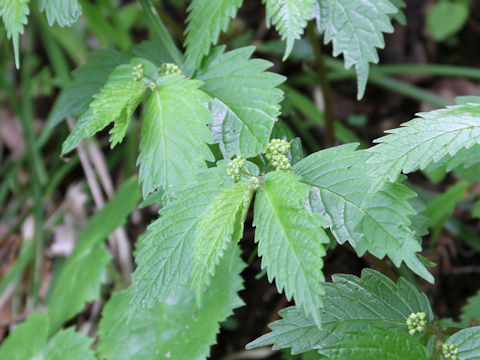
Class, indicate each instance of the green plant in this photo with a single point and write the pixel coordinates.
(446, 18)
(207, 152)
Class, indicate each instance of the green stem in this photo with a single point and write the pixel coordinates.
(325, 86)
(161, 31)
(377, 78)
(34, 161)
(437, 70)
(54, 52)
(395, 85)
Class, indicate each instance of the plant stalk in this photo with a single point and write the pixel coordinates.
(161, 31)
(35, 163)
(325, 86)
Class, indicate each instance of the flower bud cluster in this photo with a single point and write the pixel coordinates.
(169, 69)
(254, 183)
(152, 85)
(450, 351)
(416, 323)
(234, 168)
(276, 153)
(138, 72)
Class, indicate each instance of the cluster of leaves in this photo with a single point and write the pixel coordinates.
(187, 278)
(369, 316)
(15, 15)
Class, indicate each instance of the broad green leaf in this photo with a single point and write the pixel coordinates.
(165, 256)
(446, 18)
(378, 344)
(356, 29)
(115, 102)
(14, 14)
(467, 342)
(78, 133)
(87, 268)
(463, 160)
(476, 210)
(379, 224)
(245, 100)
(30, 341)
(400, 15)
(290, 18)
(63, 12)
(87, 80)
(467, 99)
(175, 329)
(444, 204)
(174, 135)
(87, 263)
(120, 94)
(290, 240)
(68, 344)
(471, 311)
(221, 225)
(33, 331)
(425, 140)
(351, 304)
(206, 19)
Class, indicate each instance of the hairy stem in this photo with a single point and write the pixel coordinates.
(325, 86)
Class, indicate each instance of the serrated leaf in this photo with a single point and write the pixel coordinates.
(88, 270)
(471, 311)
(168, 245)
(206, 19)
(425, 140)
(87, 263)
(290, 18)
(68, 344)
(87, 80)
(63, 12)
(462, 161)
(221, 225)
(356, 29)
(467, 342)
(121, 92)
(30, 341)
(400, 15)
(33, 331)
(379, 343)
(176, 329)
(290, 240)
(115, 102)
(378, 224)
(245, 100)
(351, 304)
(14, 14)
(174, 135)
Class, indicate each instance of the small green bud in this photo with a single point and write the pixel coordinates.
(283, 163)
(254, 183)
(169, 69)
(416, 322)
(234, 168)
(450, 351)
(138, 72)
(278, 147)
(276, 153)
(152, 85)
